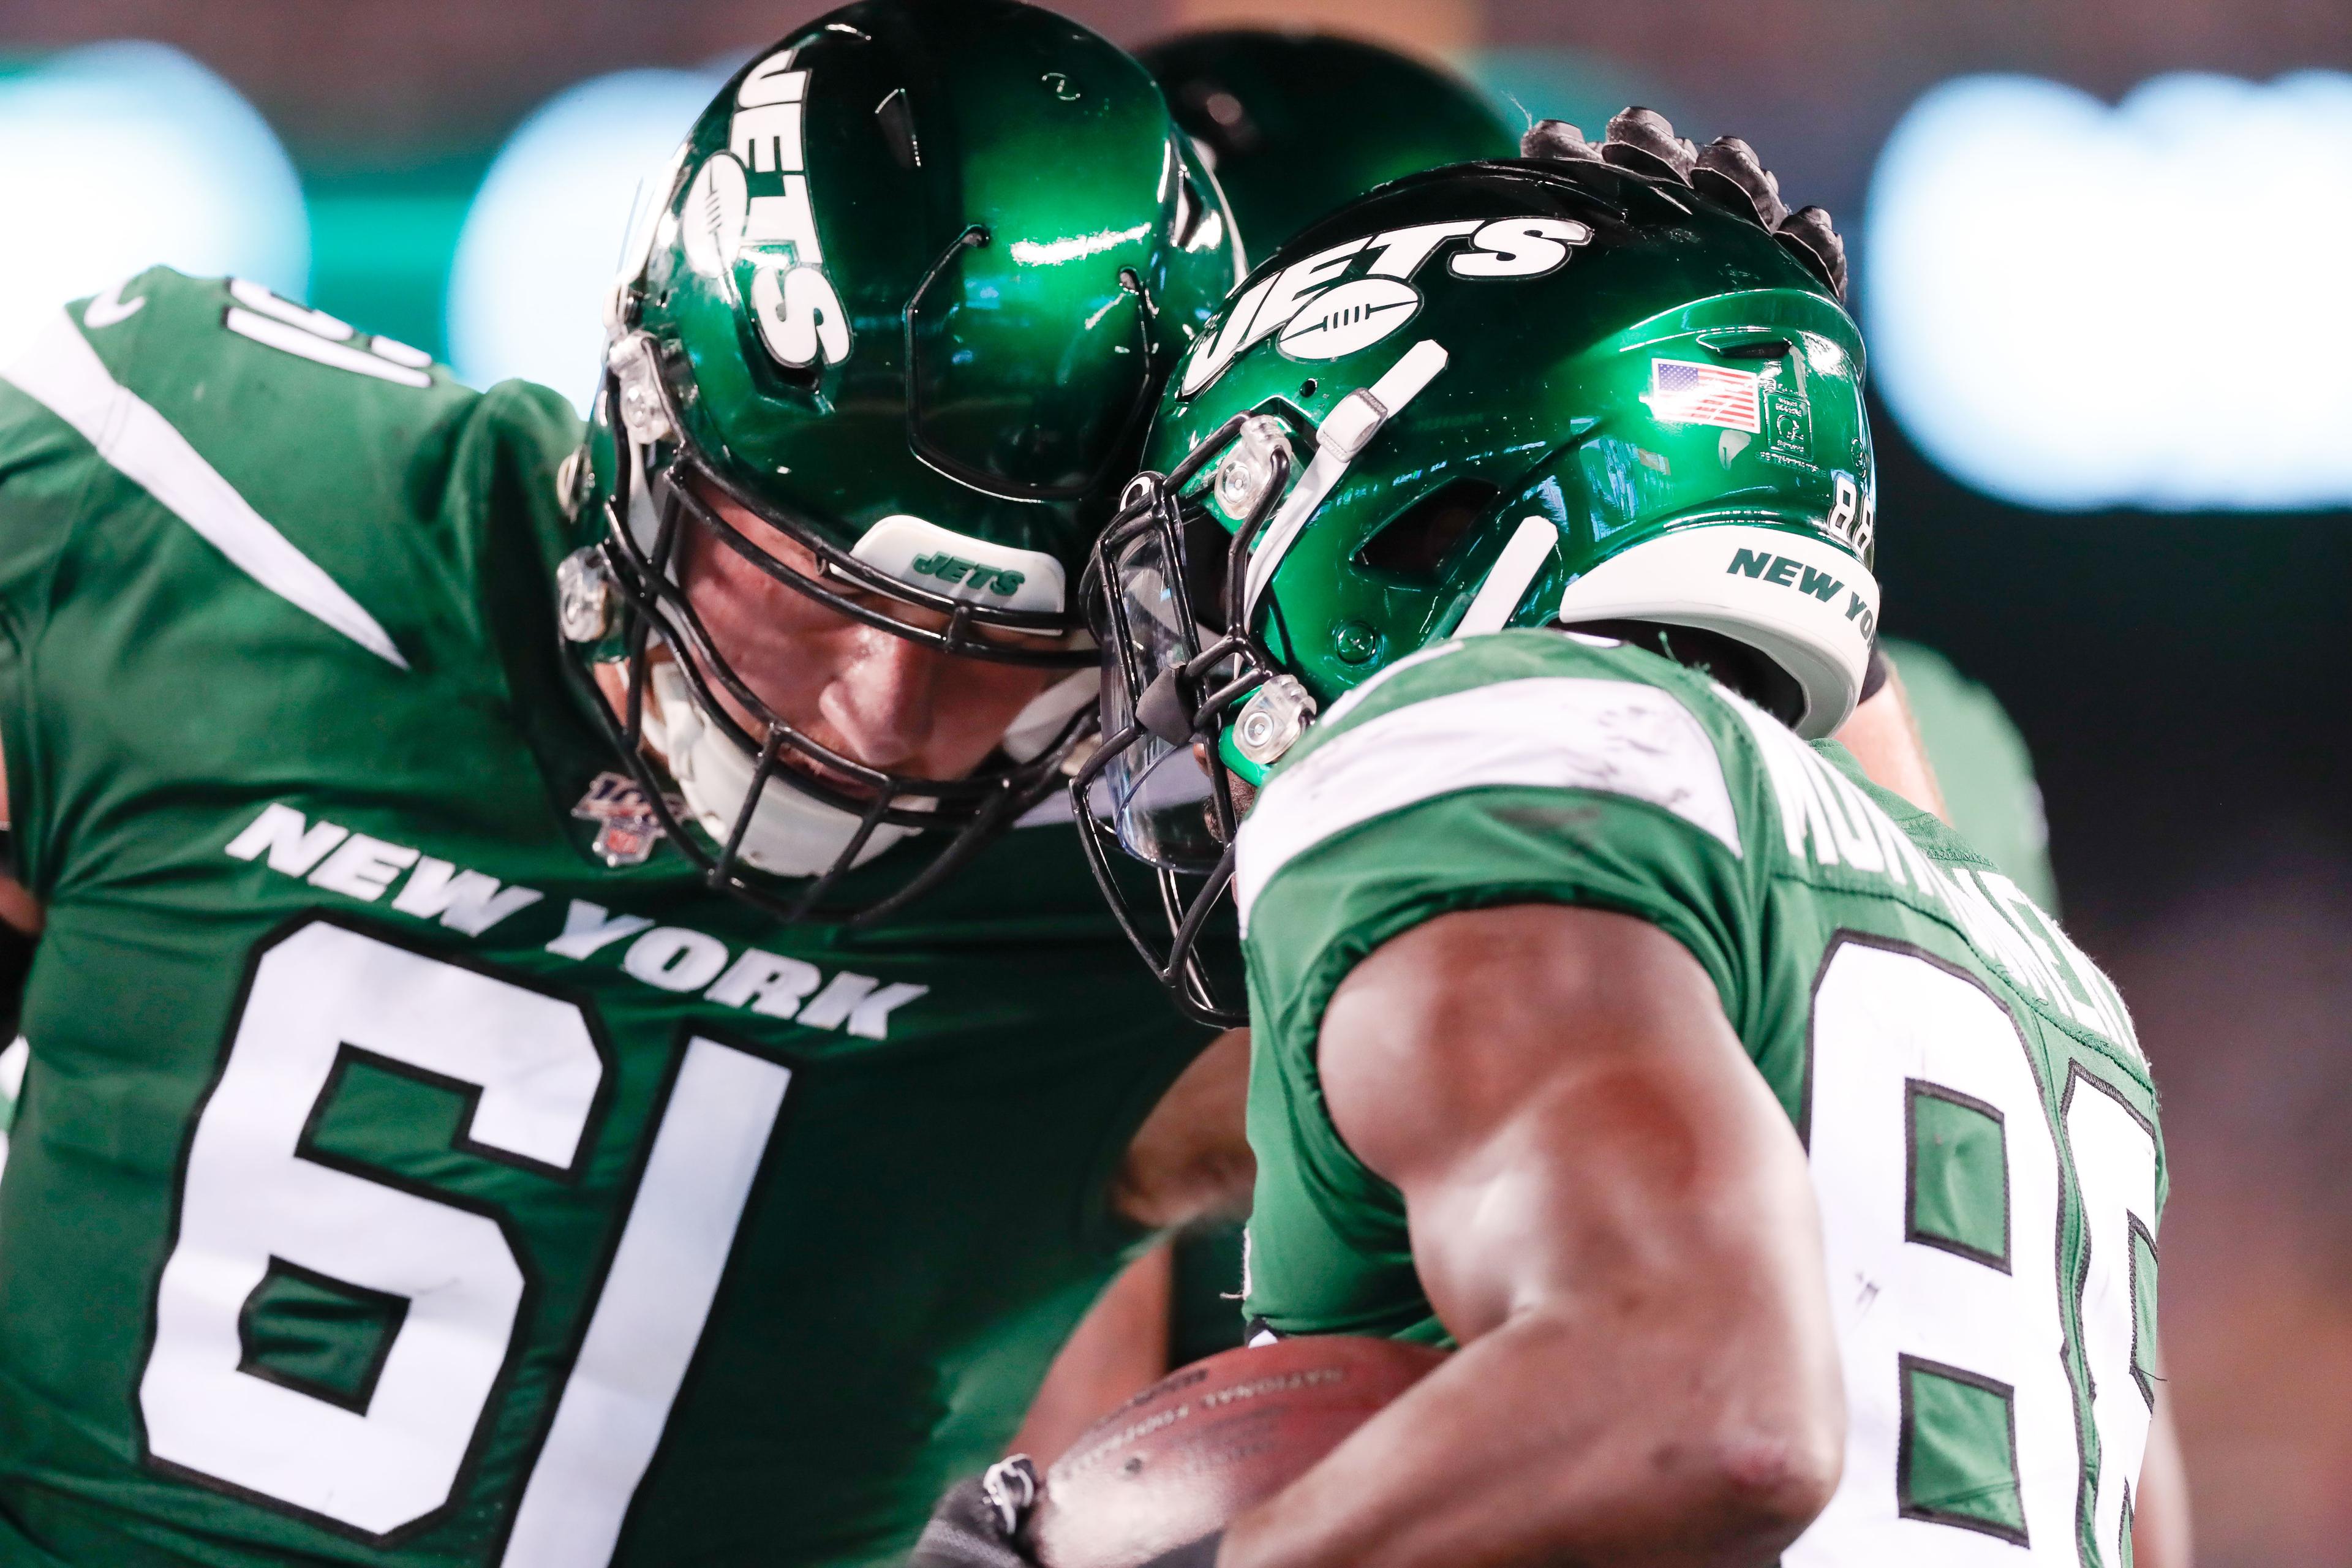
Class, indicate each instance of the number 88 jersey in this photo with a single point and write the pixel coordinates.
(1980, 1123)
(397, 1181)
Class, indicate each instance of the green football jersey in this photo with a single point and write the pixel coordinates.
(1980, 1122)
(396, 1182)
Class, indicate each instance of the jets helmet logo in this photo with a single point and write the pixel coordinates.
(800, 318)
(1321, 313)
(1350, 317)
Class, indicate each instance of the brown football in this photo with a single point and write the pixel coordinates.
(1191, 1451)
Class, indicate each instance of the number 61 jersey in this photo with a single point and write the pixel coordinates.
(1981, 1124)
(396, 1182)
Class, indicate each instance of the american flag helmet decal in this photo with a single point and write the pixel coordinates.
(1685, 392)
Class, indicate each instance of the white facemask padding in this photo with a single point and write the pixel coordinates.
(893, 545)
(791, 833)
(1035, 727)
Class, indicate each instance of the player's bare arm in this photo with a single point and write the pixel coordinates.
(1190, 1162)
(1119, 1348)
(2162, 1533)
(1614, 1217)
(1191, 1159)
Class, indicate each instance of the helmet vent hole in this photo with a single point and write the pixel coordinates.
(1416, 543)
(802, 379)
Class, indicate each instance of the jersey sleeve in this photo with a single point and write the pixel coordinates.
(1518, 768)
(1535, 771)
(45, 470)
(51, 480)
(190, 467)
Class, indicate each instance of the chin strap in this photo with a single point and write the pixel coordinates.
(1344, 433)
(1509, 578)
(1039, 724)
(791, 833)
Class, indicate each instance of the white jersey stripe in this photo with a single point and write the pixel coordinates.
(1552, 732)
(13, 1062)
(63, 373)
(649, 1318)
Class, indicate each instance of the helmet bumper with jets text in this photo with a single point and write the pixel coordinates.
(1556, 390)
(906, 294)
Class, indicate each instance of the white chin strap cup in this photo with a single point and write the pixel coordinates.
(791, 833)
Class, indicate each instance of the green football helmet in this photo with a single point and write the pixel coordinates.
(1295, 123)
(908, 293)
(1606, 387)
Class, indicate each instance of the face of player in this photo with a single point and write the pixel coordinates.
(1244, 791)
(886, 701)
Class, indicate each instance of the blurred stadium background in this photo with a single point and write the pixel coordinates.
(2100, 249)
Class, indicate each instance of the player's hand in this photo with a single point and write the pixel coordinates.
(977, 1523)
(983, 1523)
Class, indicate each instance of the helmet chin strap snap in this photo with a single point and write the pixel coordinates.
(790, 834)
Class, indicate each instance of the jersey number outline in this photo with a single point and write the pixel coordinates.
(257, 1201)
(279, 323)
(1944, 1201)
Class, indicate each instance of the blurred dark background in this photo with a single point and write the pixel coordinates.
(2179, 675)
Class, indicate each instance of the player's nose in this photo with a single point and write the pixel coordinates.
(882, 701)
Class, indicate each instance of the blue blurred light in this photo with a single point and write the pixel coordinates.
(542, 238)
(115, 157)
(2072, 306)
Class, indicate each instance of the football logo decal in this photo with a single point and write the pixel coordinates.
(1352, 316)
(1320, 313)
(799, 313)
(712, 222)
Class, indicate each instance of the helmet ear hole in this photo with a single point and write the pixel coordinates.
(1415, 545)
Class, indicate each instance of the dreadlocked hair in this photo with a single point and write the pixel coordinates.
(1640, 141)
